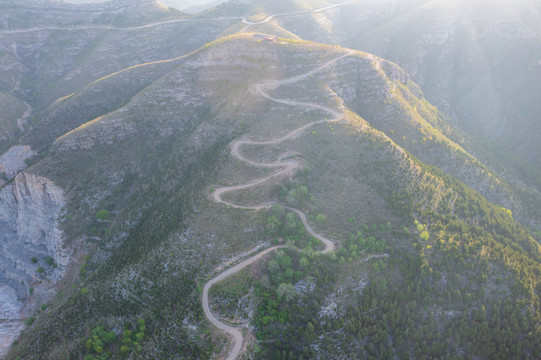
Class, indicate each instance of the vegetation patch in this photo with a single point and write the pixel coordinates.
(103, 214)
(226, 295)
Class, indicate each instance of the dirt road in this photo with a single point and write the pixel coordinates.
(286, 164)
(238, 339)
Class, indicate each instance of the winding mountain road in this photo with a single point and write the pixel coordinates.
(233, 331)
(286, 163)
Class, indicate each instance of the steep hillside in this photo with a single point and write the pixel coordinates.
(478, 61)
(163, 231)
(424, 126)
(43, 58)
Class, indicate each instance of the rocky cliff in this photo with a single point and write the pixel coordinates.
(30, 207)
(32, 253)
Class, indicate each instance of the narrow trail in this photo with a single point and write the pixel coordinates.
(286, 165)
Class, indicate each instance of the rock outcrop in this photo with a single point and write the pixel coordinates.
(30, 207)
(31, 240)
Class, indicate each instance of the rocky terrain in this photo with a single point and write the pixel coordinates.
(33, 256)
(116, 205)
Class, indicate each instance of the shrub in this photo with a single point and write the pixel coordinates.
(320, 219)
(98, 343)
(103, 214)
(49, 260)
(29, 321)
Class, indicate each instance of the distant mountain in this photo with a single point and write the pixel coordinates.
(193, 6)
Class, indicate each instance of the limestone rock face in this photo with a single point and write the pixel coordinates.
(30, 207)
(29, 210)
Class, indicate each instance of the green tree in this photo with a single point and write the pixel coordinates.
(103, 214)
(49, 260)
(286, 291)
(320, 218)
(273, 266)
(273, 224)
(291, 222)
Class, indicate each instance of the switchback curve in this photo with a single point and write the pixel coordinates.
(286, 164)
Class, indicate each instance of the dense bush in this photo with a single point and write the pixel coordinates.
(103, 214)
